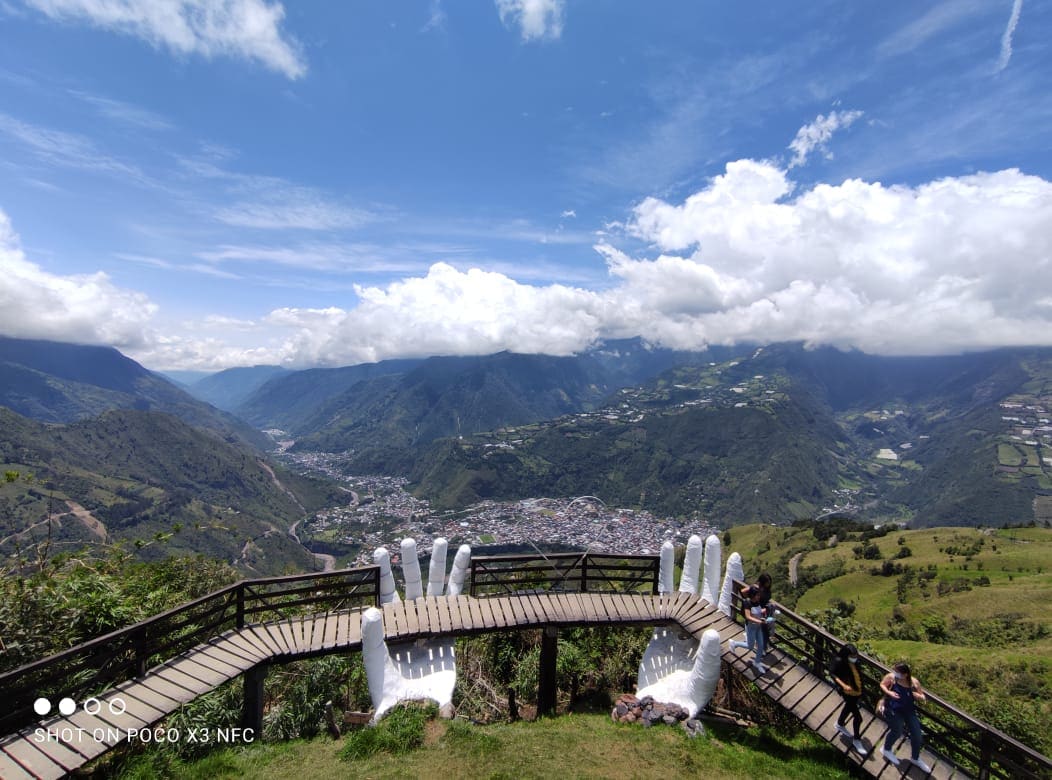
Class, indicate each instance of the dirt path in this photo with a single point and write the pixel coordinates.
(89, 520)
(794, 566)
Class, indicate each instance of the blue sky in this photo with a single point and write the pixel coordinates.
(211, 183)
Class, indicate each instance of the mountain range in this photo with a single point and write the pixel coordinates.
(733, 435)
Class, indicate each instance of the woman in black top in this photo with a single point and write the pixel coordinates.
(847, 677)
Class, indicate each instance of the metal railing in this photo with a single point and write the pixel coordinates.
(970, 744)
(576, 572)
(90, 667)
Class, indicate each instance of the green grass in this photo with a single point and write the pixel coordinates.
(570, 746)
(1009, 455)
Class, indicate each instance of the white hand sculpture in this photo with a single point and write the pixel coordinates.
(674, 669)
(426, 668)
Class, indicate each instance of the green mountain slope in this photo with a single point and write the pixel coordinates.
(228, 389)
(931, 441)
(152, 482)
(56, 382)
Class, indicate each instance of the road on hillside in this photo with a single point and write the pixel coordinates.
(328, 561)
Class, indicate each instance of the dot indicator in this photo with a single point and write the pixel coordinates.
(42, 706)
(67, 706)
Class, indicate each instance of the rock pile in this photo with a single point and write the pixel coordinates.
(629, 709)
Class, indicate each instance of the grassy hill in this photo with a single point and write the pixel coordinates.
(965, 606)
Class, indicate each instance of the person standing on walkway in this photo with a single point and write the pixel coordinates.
(902, 691)
(755, 600)
(846, 675)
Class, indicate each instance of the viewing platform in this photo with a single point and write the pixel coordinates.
(133, 678)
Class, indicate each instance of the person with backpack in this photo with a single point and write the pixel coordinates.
(846, 675)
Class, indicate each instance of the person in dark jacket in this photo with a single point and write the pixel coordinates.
(847, 677)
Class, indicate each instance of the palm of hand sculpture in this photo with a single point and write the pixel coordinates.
(676, 669)
(426, 668)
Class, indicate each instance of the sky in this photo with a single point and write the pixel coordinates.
(205, 184)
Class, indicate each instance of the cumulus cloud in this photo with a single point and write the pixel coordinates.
(245, 29)
(1006, 38)
(537, 19)
(816, 135)
(953, 264)
(86, 309)
(950, 265)
(445, 312)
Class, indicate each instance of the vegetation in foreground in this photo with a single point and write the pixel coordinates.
(409, 744)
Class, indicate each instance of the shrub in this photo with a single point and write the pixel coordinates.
(400, 731)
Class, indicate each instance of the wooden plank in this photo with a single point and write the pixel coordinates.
(540, 607)
(11, 769)
(478, 620)
(488, 621)
(287, 634)
(332, 626)
(233, 654)
(461, 614)
(318, 629)
(204, 677)
(215, 658)
(248, 644)
(590, 608)
(354, 629)
(57, 750)
(343, 624)
(443, 614)
(140, 693)
(412, 617)
(532, 617)
(805, 708)
(34, 757)
(269, 637)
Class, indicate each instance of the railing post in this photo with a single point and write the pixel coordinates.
(985, 755)
(584, 573)
(252, 711)
(474, 578)
(241, 604)
(546, 677)
(139, 641)
(819, 652)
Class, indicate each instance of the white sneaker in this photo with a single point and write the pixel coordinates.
(921, 765)
(760, 668)
(890, 757)
(859, 747)
(736, 645)
(841, 730)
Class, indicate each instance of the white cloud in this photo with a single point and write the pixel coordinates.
(816, 135)
(246, 29)
(959, 263)
(537, 19)
(293, 207)
(1006, 38)
(934, 22)
(445, 312)
(85, 309)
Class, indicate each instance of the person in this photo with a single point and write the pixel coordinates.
(846, 675)
(902, 691)
(754, 605)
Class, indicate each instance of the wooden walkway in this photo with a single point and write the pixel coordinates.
(59, 745)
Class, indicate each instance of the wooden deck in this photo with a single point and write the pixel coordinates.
(60, 745)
